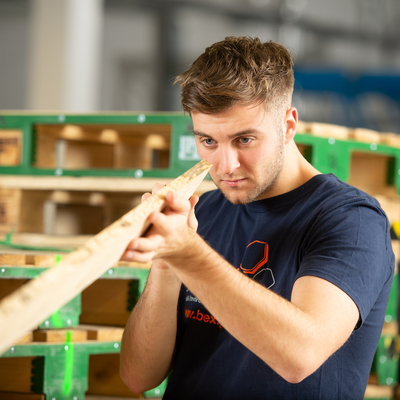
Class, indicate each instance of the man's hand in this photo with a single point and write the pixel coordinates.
(170, 232)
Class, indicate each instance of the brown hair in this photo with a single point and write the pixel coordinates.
(238, 70)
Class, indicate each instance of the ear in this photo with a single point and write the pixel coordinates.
(291, 119)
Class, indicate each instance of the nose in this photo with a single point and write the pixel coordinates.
(229, 161)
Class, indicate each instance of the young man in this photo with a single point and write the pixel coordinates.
(282, 291)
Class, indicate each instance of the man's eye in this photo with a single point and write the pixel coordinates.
(208, 142)
(245, 140)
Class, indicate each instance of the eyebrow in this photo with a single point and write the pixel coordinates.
(233, 136)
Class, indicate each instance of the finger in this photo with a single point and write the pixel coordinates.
(192, 220)
(193, 201)
(145, 244)
(145, 197)
(157, 187)
(135, 256)
(161, 225)
(177, 203)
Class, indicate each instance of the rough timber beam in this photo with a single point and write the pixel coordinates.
(28, 306)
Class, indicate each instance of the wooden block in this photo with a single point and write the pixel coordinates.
(104, 378)
(378, 392)
(391, 139)
(365, 135)
(10, 147)
(12, 259)
(45, 260)
(21, 396)
(59, 335)
(328, 130)
(102, 333)
(16, 374)
(37, 299)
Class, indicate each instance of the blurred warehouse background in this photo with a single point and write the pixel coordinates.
(114, 55)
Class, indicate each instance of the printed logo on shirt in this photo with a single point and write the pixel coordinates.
(201, 316)
(254, 263)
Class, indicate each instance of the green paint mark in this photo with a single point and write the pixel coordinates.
(56, 320)
(57, 259)
(69, 363)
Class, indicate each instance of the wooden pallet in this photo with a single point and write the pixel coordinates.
(344, 133)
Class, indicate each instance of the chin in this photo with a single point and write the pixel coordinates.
(237, 200)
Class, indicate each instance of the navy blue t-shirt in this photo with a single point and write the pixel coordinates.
(325, 228)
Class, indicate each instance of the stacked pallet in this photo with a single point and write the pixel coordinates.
(75, 351)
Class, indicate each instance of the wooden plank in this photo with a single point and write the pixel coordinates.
(28, 182)
(40, 240)
(37, 299)
(59, 335)
(391, 139)
(328, 130)
(12, 259)
(365, 135)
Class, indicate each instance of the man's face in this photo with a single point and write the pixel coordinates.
(246, 147)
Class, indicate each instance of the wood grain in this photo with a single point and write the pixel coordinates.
(38, 299)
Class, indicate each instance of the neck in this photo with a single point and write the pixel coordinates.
(295, 172)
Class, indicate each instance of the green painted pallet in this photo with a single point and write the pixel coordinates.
(60, 370)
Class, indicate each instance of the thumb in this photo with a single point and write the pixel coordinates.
(192, 220)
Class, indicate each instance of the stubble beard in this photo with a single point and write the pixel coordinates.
(261, 189)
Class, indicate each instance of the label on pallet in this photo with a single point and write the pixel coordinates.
(187, 148)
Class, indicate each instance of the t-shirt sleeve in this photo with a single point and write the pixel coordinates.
(350, 247)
